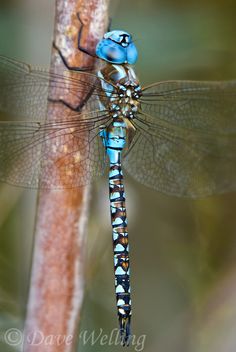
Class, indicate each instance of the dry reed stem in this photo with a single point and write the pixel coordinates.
(57, 279)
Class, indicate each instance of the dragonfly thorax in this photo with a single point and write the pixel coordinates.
(125, 92)
(125, 102)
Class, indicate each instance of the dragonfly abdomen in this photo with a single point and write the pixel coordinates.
(114, 140)
(121, 249)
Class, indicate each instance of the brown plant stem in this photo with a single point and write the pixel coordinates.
(57, 278)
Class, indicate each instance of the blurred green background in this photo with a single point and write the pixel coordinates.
(183, 252)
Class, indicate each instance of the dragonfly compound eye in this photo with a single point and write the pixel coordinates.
(117, 47)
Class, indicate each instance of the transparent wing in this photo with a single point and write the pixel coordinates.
(64, 152)
(25, 89)
(193, 104)
(185, 143)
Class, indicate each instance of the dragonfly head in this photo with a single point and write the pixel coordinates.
(117, 47)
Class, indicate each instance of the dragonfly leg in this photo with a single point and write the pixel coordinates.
(109, 24)
(77, 108)
(80, 47)
(71, 68)
(68, 105)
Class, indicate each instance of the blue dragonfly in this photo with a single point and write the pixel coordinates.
(178, 137)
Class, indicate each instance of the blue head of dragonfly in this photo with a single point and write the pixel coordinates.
(117, 47)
